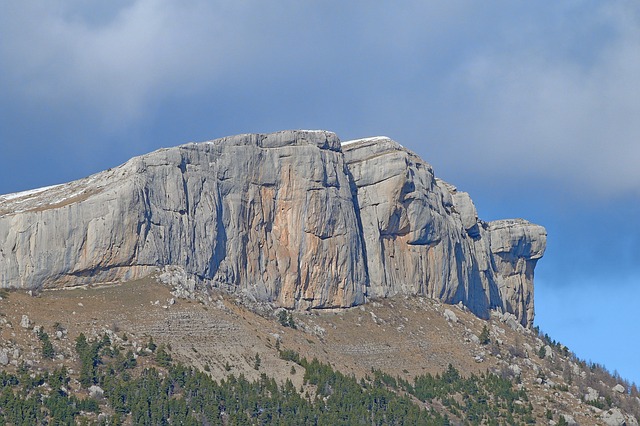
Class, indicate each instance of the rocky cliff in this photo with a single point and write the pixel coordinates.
(293, 217)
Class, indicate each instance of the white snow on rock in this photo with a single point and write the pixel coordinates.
(371, 139)
(23, 194)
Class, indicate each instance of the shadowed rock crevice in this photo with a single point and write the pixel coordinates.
(294, 217)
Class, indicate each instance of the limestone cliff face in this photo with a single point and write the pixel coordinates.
(422, 236)
(292, 217)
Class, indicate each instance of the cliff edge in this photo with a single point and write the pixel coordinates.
(295, 217)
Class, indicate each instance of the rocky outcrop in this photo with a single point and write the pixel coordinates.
(591, 395)
(294, 217)
(271, 215)
(423, 236)
(615, 417)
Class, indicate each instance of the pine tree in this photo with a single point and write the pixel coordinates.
(290, 322)
(484, 336)
(81, 343)
(47, 347)
(162, 357)
(283, 318)
(542, 352)
(151, 345)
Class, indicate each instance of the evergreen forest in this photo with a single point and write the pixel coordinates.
(169, 393)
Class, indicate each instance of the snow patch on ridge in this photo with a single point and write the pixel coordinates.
(370, 139)
(54, 195)
(27, 193)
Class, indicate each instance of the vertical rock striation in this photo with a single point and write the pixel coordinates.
(292, 217)
(422, 236)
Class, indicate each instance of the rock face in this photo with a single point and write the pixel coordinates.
(591, 395)
(619, 388)
(24, 322)
(422, 236)
(614, 417)
(293, 217)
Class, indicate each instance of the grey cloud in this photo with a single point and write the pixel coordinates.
(123, 58)
(497, 90)
(147, 50)
(546, 114)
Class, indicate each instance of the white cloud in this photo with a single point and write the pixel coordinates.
(121, 59)
(529, 92)
(553, 115)
(146, 50)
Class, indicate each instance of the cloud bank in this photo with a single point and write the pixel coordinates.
(525, 92)
(562, 106)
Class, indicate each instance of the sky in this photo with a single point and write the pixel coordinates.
(531, 107)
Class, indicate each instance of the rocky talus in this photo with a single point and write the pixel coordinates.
(293, 217)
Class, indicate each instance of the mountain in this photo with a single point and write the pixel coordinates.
(285, 278)
(295, 217)
(133, 353)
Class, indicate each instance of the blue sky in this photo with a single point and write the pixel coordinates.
(531, 107)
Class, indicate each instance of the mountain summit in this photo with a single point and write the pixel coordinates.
(294, 217)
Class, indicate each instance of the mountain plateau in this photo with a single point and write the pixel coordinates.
(295, 218)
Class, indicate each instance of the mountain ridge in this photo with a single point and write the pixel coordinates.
(294, 217)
